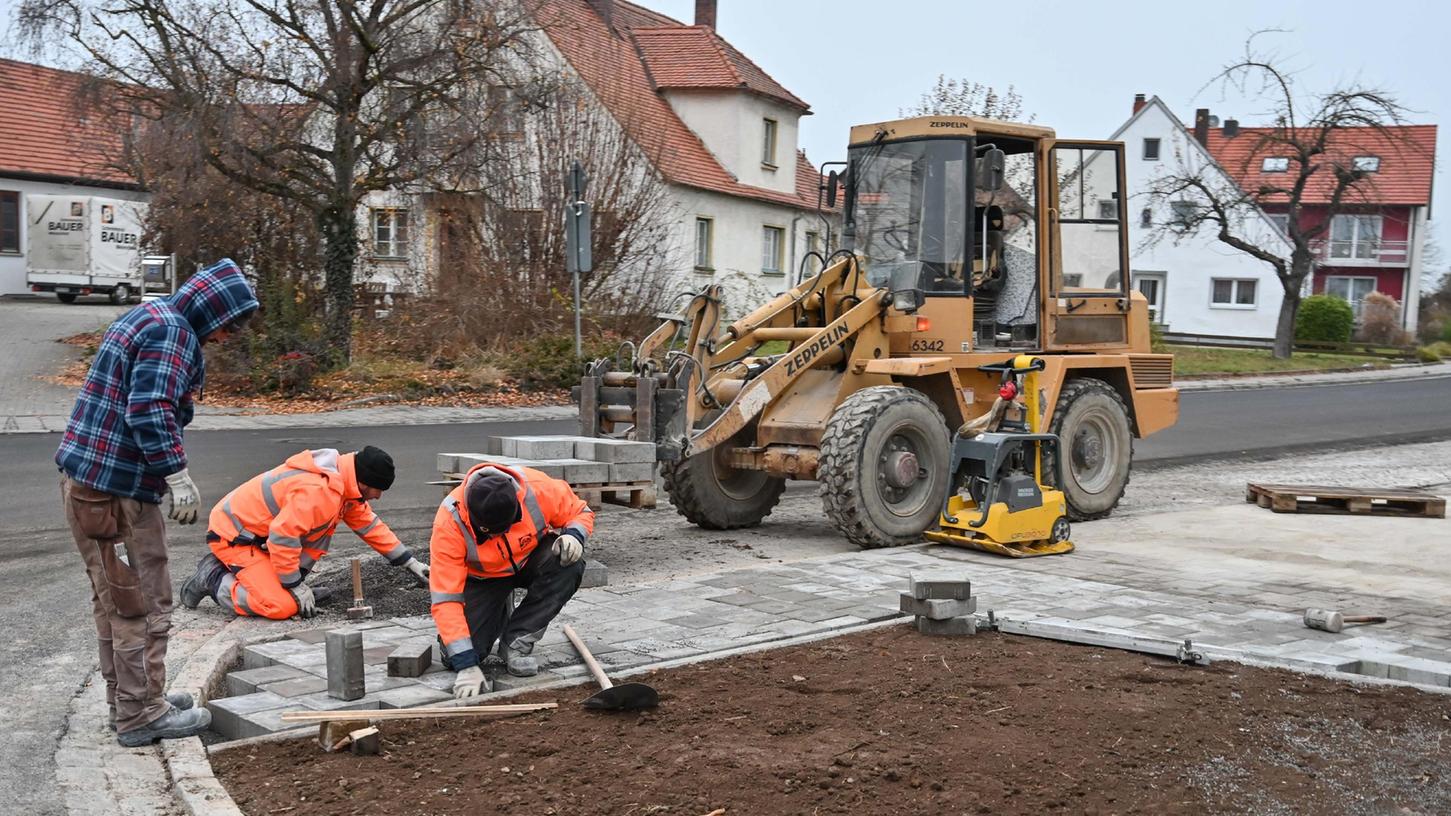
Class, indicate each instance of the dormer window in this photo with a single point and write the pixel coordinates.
(1275, 164)
(1367, 164)
(768, 143)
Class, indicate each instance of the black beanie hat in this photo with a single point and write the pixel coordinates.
(374, 468)
(493, 503)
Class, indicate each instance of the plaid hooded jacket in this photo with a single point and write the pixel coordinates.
(124, 434)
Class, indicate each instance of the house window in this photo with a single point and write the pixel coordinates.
(1183, 212)
(704, 239)
(9, 221)
(390, 233)
(1146, 218)
(1151, 286)
(1355, 237)
(1350, 289)
(1151, 150)
(772, 243)
(813, 244)
(506, 112)
(1107, 209)
(1275, 164)
(1231, 293)
(1367, 164)
(768, 142)
(1281, 221)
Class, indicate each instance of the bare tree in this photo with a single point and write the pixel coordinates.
(963, 97)
(315, 102)
(1315, 135)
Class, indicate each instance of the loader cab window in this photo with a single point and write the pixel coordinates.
(1005, 248)
(1090, 221)
(909, 201)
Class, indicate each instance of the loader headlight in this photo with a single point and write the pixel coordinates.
(907, 300)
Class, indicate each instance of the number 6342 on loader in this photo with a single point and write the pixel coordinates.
(965, 242)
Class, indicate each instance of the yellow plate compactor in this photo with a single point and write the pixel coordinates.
(1000, 503)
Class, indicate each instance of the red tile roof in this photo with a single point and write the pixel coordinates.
(696, 57)
(609, 62)
(43, 133)
(1407, 154)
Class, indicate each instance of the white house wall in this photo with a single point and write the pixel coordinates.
(730, 123)
(12, 264)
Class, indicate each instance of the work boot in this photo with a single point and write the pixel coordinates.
(174, 724)
(204, 582)
(178, 699)
(520, 663)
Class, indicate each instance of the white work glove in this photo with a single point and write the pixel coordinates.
(469, 682)
(419, 570)
(568, 548)
(306, 604)
(186, 500)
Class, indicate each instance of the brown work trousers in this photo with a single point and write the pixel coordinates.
(131, 603)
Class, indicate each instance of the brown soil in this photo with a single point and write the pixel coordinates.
(892, 722)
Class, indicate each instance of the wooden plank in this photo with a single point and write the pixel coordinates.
(1342, 500)
(1344, 492)
(414, 713)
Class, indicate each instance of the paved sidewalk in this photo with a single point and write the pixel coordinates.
(1399, 372)
(231, 419)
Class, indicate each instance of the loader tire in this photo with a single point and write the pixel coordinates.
(1097, 441)
(866, 489)
(716, 496)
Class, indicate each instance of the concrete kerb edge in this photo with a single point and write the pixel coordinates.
(1246, 659)
(1285, 380)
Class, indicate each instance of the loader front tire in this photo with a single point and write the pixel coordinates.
(1097, 442)
(716, 496)
(883, 469)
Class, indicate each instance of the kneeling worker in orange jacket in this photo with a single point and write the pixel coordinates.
(266, 535)
(504, 527)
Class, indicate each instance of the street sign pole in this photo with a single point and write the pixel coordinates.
(577, 244)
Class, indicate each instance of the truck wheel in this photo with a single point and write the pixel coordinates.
(712, 494)
(66, 297)
(120, 295)
(883, 468)
(1092, 424)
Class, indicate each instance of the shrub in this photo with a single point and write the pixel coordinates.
(549, 361)
(1380, 321)
(1324, 319)
(1446, 332)
(1428, 354)
(1156, 339)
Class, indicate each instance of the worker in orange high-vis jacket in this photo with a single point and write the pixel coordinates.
(504, 527)
(267, 535)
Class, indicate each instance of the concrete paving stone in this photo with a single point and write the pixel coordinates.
(615, 451)
(658, 649)
(1169, 620)
(771, 607)
(951, 626)
(296, 687)
(739, 599)
(811, 614)
(949, 586)
(410, 659)
(537, 447)
(791, 595)
(935, 608)
(1427, 654)
(378, 655)
(345, 661)
(442, 680)
(695, 621)
(322, 701)
(412, 696)
(1113, 622)
(266, 654)
(313, 636)
(246, 681)
(385, 635)
(415, 622)
(228, 712)
(596, 574)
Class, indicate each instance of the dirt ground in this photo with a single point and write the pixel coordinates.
(892, 722)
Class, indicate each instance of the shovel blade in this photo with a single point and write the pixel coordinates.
(624, 697)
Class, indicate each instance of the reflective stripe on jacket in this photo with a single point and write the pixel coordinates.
(549, 506)
(294, 508)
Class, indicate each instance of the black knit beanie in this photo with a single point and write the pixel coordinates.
(374, 468)
(493, 503)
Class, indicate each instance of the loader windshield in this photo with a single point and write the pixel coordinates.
(909, 203)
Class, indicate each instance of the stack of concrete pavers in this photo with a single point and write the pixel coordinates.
(942, 602)
(580, 460)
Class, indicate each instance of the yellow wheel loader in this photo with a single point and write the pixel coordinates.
(964, 242)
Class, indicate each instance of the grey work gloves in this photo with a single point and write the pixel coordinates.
(469, 683)
(186, 499)
(568, 548)
(419, 570)
(306, 603)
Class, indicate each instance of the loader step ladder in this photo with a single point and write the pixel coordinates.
(1362, 501)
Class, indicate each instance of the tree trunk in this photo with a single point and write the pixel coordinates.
(339, 227)
(1285, 325)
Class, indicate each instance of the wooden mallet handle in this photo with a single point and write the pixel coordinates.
(589, 659)
(357, 581)
(1364, 618)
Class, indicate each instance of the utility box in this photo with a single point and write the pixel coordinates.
(84, 245)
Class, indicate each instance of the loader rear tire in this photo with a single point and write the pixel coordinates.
(1097, 441)
(866, 489)
(716, 496)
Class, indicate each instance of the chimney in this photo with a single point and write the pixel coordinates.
(1139, 102)
(1201, 126)
(605, 9)
(1231, 128)
(705, 13)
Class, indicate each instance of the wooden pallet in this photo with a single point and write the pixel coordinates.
(1363, 501)
(637, 495)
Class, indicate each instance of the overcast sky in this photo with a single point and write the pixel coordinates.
(1078, 65)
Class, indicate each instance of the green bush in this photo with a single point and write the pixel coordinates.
(1446, 332)
(549, 362)
(1156, 339)
(1324, 319)
(1427, 354)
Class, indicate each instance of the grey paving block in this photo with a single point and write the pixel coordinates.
(266, 654)
(322, 701)
(614, 451)
(410, 659)
(378, 655)
(537, 447)
(345, 664)
(296, 686)
(936, 609)
(246, 681)
(416, 622)
(947, 586)
(596, 574)
(228, 712)
(951, 626)
(313, 636)
(412, 696)
(582, 471)
(441, 680)
(266, 722)
(632, 472)
(447, 462)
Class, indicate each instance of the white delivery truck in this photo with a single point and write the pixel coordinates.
(85, 245)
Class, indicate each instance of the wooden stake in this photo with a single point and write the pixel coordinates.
(414, 713)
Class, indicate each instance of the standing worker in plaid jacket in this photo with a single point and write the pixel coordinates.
(121, 452)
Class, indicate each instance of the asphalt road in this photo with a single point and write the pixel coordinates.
(44, 596)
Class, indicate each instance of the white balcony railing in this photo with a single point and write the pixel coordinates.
(1362, 253)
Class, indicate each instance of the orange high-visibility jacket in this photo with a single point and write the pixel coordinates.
(549, 506)
(293, 509)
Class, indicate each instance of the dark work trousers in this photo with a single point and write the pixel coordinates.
(550, 585)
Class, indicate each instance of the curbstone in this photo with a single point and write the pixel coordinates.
(951, 626)
(345, 664)
(537, 447)
(936, 608)
(410, 659)
(939, 586)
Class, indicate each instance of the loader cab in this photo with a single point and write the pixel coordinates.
(953, 216)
